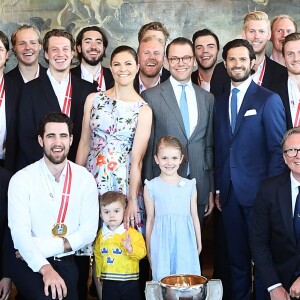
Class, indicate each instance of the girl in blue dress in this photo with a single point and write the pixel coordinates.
(173, 234)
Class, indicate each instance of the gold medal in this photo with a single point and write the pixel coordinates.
(59, 230)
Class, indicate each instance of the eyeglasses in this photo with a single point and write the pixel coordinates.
(175, 60)
(291, 152)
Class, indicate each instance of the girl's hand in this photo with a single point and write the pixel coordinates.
(199, 248)
(127, 243)
(99, 280)
(130, 215)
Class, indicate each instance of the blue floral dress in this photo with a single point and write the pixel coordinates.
(113, 123)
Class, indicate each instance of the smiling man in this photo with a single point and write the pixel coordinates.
(57, 90)
(184, 110)
(266, 72)
(52, 212)
(249, 123)
(206, 45)
(91, 44)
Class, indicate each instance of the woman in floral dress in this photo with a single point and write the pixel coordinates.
(115, 132)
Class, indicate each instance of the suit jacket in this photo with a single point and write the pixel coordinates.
(163, 77)
(38, 99)
(198, 149)
(13, 83)
(108, 78)
(4, 180)
(274, 75)
(274, 247)
(284, 95)
(253, 152)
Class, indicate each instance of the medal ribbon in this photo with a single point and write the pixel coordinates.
(262, 73)
(2, 91)
(99, 80)
(65, 196)
(199, 80)
(68, 99)
(297, 119)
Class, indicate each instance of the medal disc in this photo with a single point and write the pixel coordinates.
(59, 230)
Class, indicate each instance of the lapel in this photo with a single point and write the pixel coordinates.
(268, 73)
(169, 97)
(10, 105)
(222, 115)
(284, 193)
(284, 95)
(247, 101)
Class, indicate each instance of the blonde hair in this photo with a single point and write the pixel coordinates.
(256, 16)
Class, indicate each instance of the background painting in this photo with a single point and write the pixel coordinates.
(121, 19)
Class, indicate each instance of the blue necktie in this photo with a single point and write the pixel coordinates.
(297, 217)
(233, 107)
(184, 110)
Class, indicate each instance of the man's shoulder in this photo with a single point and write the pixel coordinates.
(275, 66)
(81, 172)
(157, 89)
(277, 181)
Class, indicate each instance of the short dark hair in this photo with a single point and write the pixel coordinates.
(81, 33)
(157, 26)
(205, 32)
(55, 117)
(180, 41)
(295, 36)
(111, 197)
(238, 43)
(58, 33)
(124, 48)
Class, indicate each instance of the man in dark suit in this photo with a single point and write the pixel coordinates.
(197, 140)
(275, 243)
(57, 90)
(249, 123)
(289, 89)
(5, 281)
(267, 73)
(91, 44)
(151, 56)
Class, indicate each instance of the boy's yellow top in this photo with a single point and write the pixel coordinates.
(112, 260)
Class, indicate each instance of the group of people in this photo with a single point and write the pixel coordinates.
(156, 150)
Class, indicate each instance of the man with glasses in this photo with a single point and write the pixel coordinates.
(275, 236)
(184, 110)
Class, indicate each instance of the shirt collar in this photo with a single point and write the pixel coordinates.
(54, 81)
(49, 174)
(294, 183)
(176, 83)
(107, 233)
(85, 73)
(243, 86)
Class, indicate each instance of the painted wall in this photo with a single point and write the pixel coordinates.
(122, 18)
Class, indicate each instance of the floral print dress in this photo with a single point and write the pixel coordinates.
(113, 123)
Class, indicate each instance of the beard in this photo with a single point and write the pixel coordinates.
(93, 61)
(240, 78)
(206, 68)
(56, 160)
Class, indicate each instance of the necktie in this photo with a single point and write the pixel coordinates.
(297, 217)
(184, 110)
(233, 107)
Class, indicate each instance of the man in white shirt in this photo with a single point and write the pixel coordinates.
(281, 26)
(275, 232)
(91, 44)
(289, 89)
(52, 211)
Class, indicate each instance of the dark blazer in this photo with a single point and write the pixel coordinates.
(38, 99)
(4, 180)
(167, 120)
(284, 95)
(13, 83)
(108, 78)
(274, 247)
(194, 77)
(253, 152)
(163, 77)
(274, 75)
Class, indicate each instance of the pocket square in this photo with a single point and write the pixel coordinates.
(250, 112)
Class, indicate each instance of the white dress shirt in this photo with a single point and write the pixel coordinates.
(258, 73)
(86, 75)
(294, 98)
(2, 127)
(32, 211)
(191, 100)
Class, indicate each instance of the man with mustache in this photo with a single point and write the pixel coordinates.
(267, 73)
(91, 44)
(207, 46)
(281, 26)
(249, 123)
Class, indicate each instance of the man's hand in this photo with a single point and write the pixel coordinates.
(52, 279)
(18, 255)
(5, 288)
(279, 293)
(295, 288)
(210, 206)
(217, 202)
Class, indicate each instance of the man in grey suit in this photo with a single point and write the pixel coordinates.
(184, 110)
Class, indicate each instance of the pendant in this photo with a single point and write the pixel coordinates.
(59, 230)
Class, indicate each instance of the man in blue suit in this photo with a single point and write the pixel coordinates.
(249, 125)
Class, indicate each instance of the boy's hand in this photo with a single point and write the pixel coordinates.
(127, 243)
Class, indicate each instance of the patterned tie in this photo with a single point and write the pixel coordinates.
(233, 107)
(184, 110)
(297, 217)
